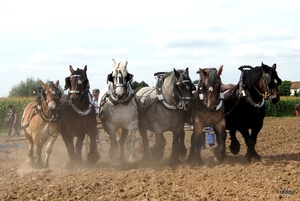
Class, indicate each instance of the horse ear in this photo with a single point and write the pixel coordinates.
(274, 66)
(265, 68)
(220, 70)
(57, 83)
(113, 63)
(187, 70)
(126, 62)
(85, 68)
(176, 73)
(43, 85)
(71, 69)
(203, 72)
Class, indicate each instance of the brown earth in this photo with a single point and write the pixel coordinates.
(275, 177)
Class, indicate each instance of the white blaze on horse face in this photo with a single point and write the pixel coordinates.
(120, 82)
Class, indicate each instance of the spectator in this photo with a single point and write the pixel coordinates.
(297, 110)
(96, 93)
(11, 119)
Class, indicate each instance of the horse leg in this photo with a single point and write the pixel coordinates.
(254, 134)
(143, 133)
(174, 159)
(181, 146)
(30, 156)
(38, 151)
(93, 156)
(113, 147)
(249, 142)
(70, 148)
(157, 151)
(78, 147)
(235, 144)
(122, 141)
(220, 153)
(131, 141)
(48, 151)
(196, 144)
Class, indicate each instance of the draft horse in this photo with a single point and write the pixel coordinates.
(78, 117)
(245, 105)
(118, 110)
(162, 108)
(208, 109)
(40, 123)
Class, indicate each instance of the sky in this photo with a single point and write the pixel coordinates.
(40, 39)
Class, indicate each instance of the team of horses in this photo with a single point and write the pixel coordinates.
(168, 106)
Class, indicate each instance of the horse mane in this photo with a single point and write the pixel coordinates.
(211, 76)
(251, 77)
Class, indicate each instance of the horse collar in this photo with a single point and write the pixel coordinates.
(160, 96)
(85, 112)
(126, 100)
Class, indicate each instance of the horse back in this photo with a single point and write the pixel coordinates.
(28, 113)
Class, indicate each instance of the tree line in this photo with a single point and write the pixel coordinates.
(26, 88)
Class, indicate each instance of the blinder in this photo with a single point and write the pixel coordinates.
(67, 83)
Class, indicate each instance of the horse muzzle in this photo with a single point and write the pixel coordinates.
(274, 98)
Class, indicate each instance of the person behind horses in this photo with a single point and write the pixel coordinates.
(96, 93)
(11, 119)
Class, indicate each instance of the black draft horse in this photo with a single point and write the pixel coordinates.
(245, 108)
(78, 117)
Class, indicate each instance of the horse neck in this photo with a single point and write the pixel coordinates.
(44, 109)
(168, 90)
(83, 102)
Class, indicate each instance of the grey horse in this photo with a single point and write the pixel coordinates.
(162, 108)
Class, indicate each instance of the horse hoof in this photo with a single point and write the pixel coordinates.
(93, 158)
(234, 149)
(131, 159)
(157, 154)
(219, 156)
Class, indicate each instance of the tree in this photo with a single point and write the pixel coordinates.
(26, 88)
(136, 85)
(284, 88)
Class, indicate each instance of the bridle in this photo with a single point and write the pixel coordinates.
(120, 81)
(180, 83)
(41, 97)
(204, 92)
(263, 85)
(77, 80)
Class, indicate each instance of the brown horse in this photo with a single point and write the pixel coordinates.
(208, 109)
(78, 117)
(40, 121)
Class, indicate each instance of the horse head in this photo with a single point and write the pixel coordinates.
(48, 98)
(209, 87)
(183, 87)
(273, 81)
(77, 83)
(120, 80)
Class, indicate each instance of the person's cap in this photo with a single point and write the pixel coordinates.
(95, 91)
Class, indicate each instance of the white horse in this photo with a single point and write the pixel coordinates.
(118, 110)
